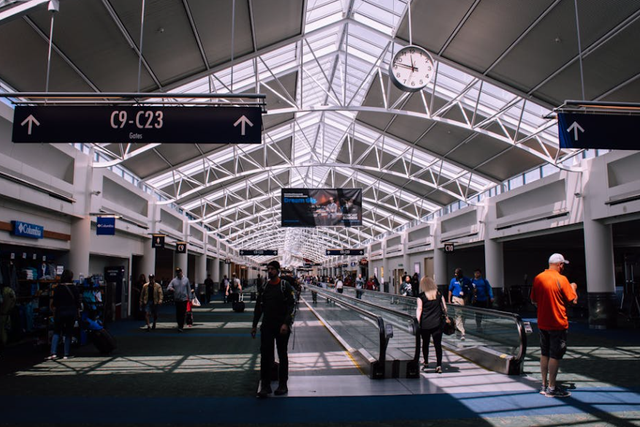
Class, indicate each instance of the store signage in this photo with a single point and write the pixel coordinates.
(157, 241)
(181, 247)
(24, 229)
(105, 226)
(227, 261)
(344, 252)
(258, 252)
(449, 247)
(608, 131)
(109, 124)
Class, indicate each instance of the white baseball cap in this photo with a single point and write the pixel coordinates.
(557, 259)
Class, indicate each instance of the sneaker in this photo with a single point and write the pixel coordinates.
(264, 391)
(557, 392)
(438, 369)
(281, 390)
(67, 357)
(543, 389)
(425, 367)
(462, 338)
(52, 357)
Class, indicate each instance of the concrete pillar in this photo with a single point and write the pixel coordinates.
(439, 259)
(201, 268)
(149, 259)
(215, 271)
(598, 245)
(182, 261)
(494, 266)
(80, 246)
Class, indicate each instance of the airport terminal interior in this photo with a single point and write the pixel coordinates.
(341, 138)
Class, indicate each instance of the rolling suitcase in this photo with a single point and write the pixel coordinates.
(103, 340)
(238, 306)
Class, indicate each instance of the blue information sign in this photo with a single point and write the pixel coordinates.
(607, 131)
(106, 226)
(24, 229)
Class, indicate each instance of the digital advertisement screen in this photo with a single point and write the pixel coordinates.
(321, 207)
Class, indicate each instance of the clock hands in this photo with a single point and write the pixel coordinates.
(411, 67)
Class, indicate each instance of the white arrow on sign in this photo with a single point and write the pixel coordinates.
(29, 121)
(575, 127)
(242, 121)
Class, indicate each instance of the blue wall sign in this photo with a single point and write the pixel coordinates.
(24, 229)
(607, 131)
(106, 226)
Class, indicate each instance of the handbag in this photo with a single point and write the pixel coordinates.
(195, 302)
(448, 327)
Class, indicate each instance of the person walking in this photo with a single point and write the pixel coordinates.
(65, 306)
(182, 294)
(359, 286)
(339, 285)
(459, 290)
(275, 303)
(430, 310)
(483, 296)
(150, 299)
(551, 293)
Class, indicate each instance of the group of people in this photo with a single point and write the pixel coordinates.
(551, 293)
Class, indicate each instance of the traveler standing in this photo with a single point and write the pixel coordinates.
(181, 289)
(208, 287)
(551, 293)
(359, 286)
(65, 306)
(339, 285)
(150, 299)
(483, 295)
(459, 290)
(276, 305)
(430, 310)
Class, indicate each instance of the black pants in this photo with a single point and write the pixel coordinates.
(426, 335)
(269, 334)
(181, 311)
(481, 304)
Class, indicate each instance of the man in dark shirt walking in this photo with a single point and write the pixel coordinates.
(276, 305)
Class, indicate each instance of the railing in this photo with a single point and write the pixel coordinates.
(496, 340)
(382, 340)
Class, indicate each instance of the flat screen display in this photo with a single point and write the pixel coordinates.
(321, 207)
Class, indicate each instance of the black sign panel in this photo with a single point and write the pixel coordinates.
(344, 252)
(157, 241)
(257, 252)
(238, 125)
(449, 247)
(609, 131)
(181, 247)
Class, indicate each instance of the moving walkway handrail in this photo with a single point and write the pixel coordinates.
(384, 337)
(413, 322)
(411, 302)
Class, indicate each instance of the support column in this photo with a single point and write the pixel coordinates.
(494, 267)
(148, 259)
(80, 246)
(598, 245)
(439, 259)
(182, 261)
(201, 268)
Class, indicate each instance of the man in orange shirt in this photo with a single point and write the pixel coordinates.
(551, 293)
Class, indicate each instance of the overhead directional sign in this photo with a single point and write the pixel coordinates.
(607, 131)
(237, 125)
(257, 252)
(344, 252)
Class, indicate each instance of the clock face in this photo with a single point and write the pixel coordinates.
(411, 68)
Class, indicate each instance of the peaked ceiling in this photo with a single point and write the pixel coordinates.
(333, 118)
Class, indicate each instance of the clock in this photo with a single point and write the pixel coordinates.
(411, 68)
